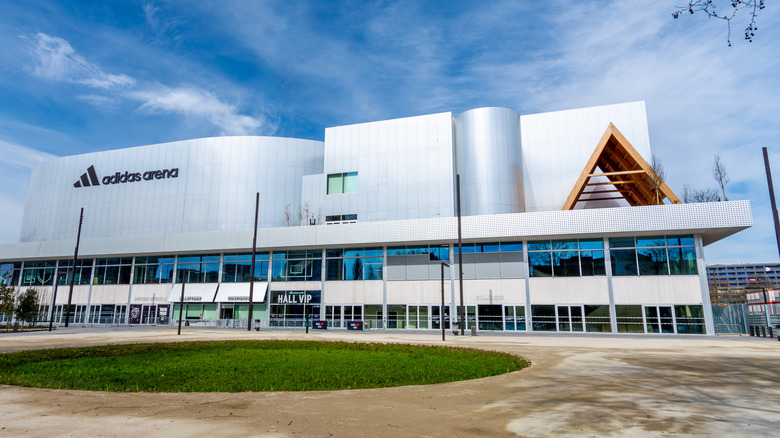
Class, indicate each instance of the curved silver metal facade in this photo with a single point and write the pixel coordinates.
(206, 184)
(488, 159)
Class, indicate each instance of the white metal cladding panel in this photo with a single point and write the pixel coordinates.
(657, 289)
(713, 221)
(504, 291)
(488, 159)
(557, 145)
(352, 292)
(215, 188)
(569, 290)
(404, 168)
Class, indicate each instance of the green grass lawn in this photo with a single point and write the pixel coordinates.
(233, 366)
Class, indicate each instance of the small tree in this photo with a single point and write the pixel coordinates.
(7, 302)
(27, 306)
(287, 214)
(657, 180)
(699, 195)
(721, 175)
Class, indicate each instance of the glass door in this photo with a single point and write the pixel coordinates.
(659, 319)
(570, 319)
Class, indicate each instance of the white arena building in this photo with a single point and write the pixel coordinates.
(565, 227)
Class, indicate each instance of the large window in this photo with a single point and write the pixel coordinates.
(655, 255)
(301, 265)
(237, 268)
(83, 271)
(112, 270)
(566, 258)
(11, 271)
(38, 273)
(198, 268)
(153, 269)
(354, 264)
(342, 183)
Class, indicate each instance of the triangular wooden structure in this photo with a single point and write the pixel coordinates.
(628, 175)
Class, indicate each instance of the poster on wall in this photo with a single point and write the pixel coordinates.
(135, 314)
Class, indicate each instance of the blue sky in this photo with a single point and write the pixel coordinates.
(79, 77)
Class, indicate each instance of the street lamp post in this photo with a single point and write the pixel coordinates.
(441, 310)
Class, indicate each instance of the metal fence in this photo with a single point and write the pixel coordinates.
(731, 319)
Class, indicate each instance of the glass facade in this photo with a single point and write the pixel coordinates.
(301, 265)
(83, 271)
(153, 269)
(237, 268)
(659, 255)
(198, 268)
(566, 258)
(354, 264)
(640, 256)
(112, 271)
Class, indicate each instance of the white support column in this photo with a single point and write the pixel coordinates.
(323, 277)
(526, 278)
(130, 291)
(706, 304)
(269, 275)
(384, 289)
(610, 290)
(88, 313)
(453, 278)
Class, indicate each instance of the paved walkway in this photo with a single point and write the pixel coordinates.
(576, 386)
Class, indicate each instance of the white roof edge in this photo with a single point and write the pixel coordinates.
(713, 220)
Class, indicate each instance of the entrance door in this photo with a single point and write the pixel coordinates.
(570, 319)
(490, 317)
(659, 319)
(227, 313)
(436, 317)
(148, 314)
(514, 317)
(333, 316)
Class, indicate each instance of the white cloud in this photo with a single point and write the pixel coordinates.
(15, 163)
(192, 101)
(55, 59)
(12, 154)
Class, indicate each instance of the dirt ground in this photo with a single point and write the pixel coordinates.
(576, 386)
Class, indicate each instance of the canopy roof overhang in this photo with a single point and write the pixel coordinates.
(623, 174)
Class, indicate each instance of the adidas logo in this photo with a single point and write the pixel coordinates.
(89, 178)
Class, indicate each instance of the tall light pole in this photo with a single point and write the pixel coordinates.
(441, 318)
(772, 198)
(73, 277)
(461, 309)
(252, 269)
(181, 300)
(441, 311)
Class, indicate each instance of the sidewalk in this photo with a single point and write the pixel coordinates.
(576, 386)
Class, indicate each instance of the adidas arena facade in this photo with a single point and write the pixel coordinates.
(565, 227)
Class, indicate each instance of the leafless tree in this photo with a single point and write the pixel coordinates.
(658, 179)
(699, 195)
(287, 214)
(729, 11)
(306, 213)
(721, 175)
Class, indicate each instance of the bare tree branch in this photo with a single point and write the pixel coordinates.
(731, 9)
(721, 175)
